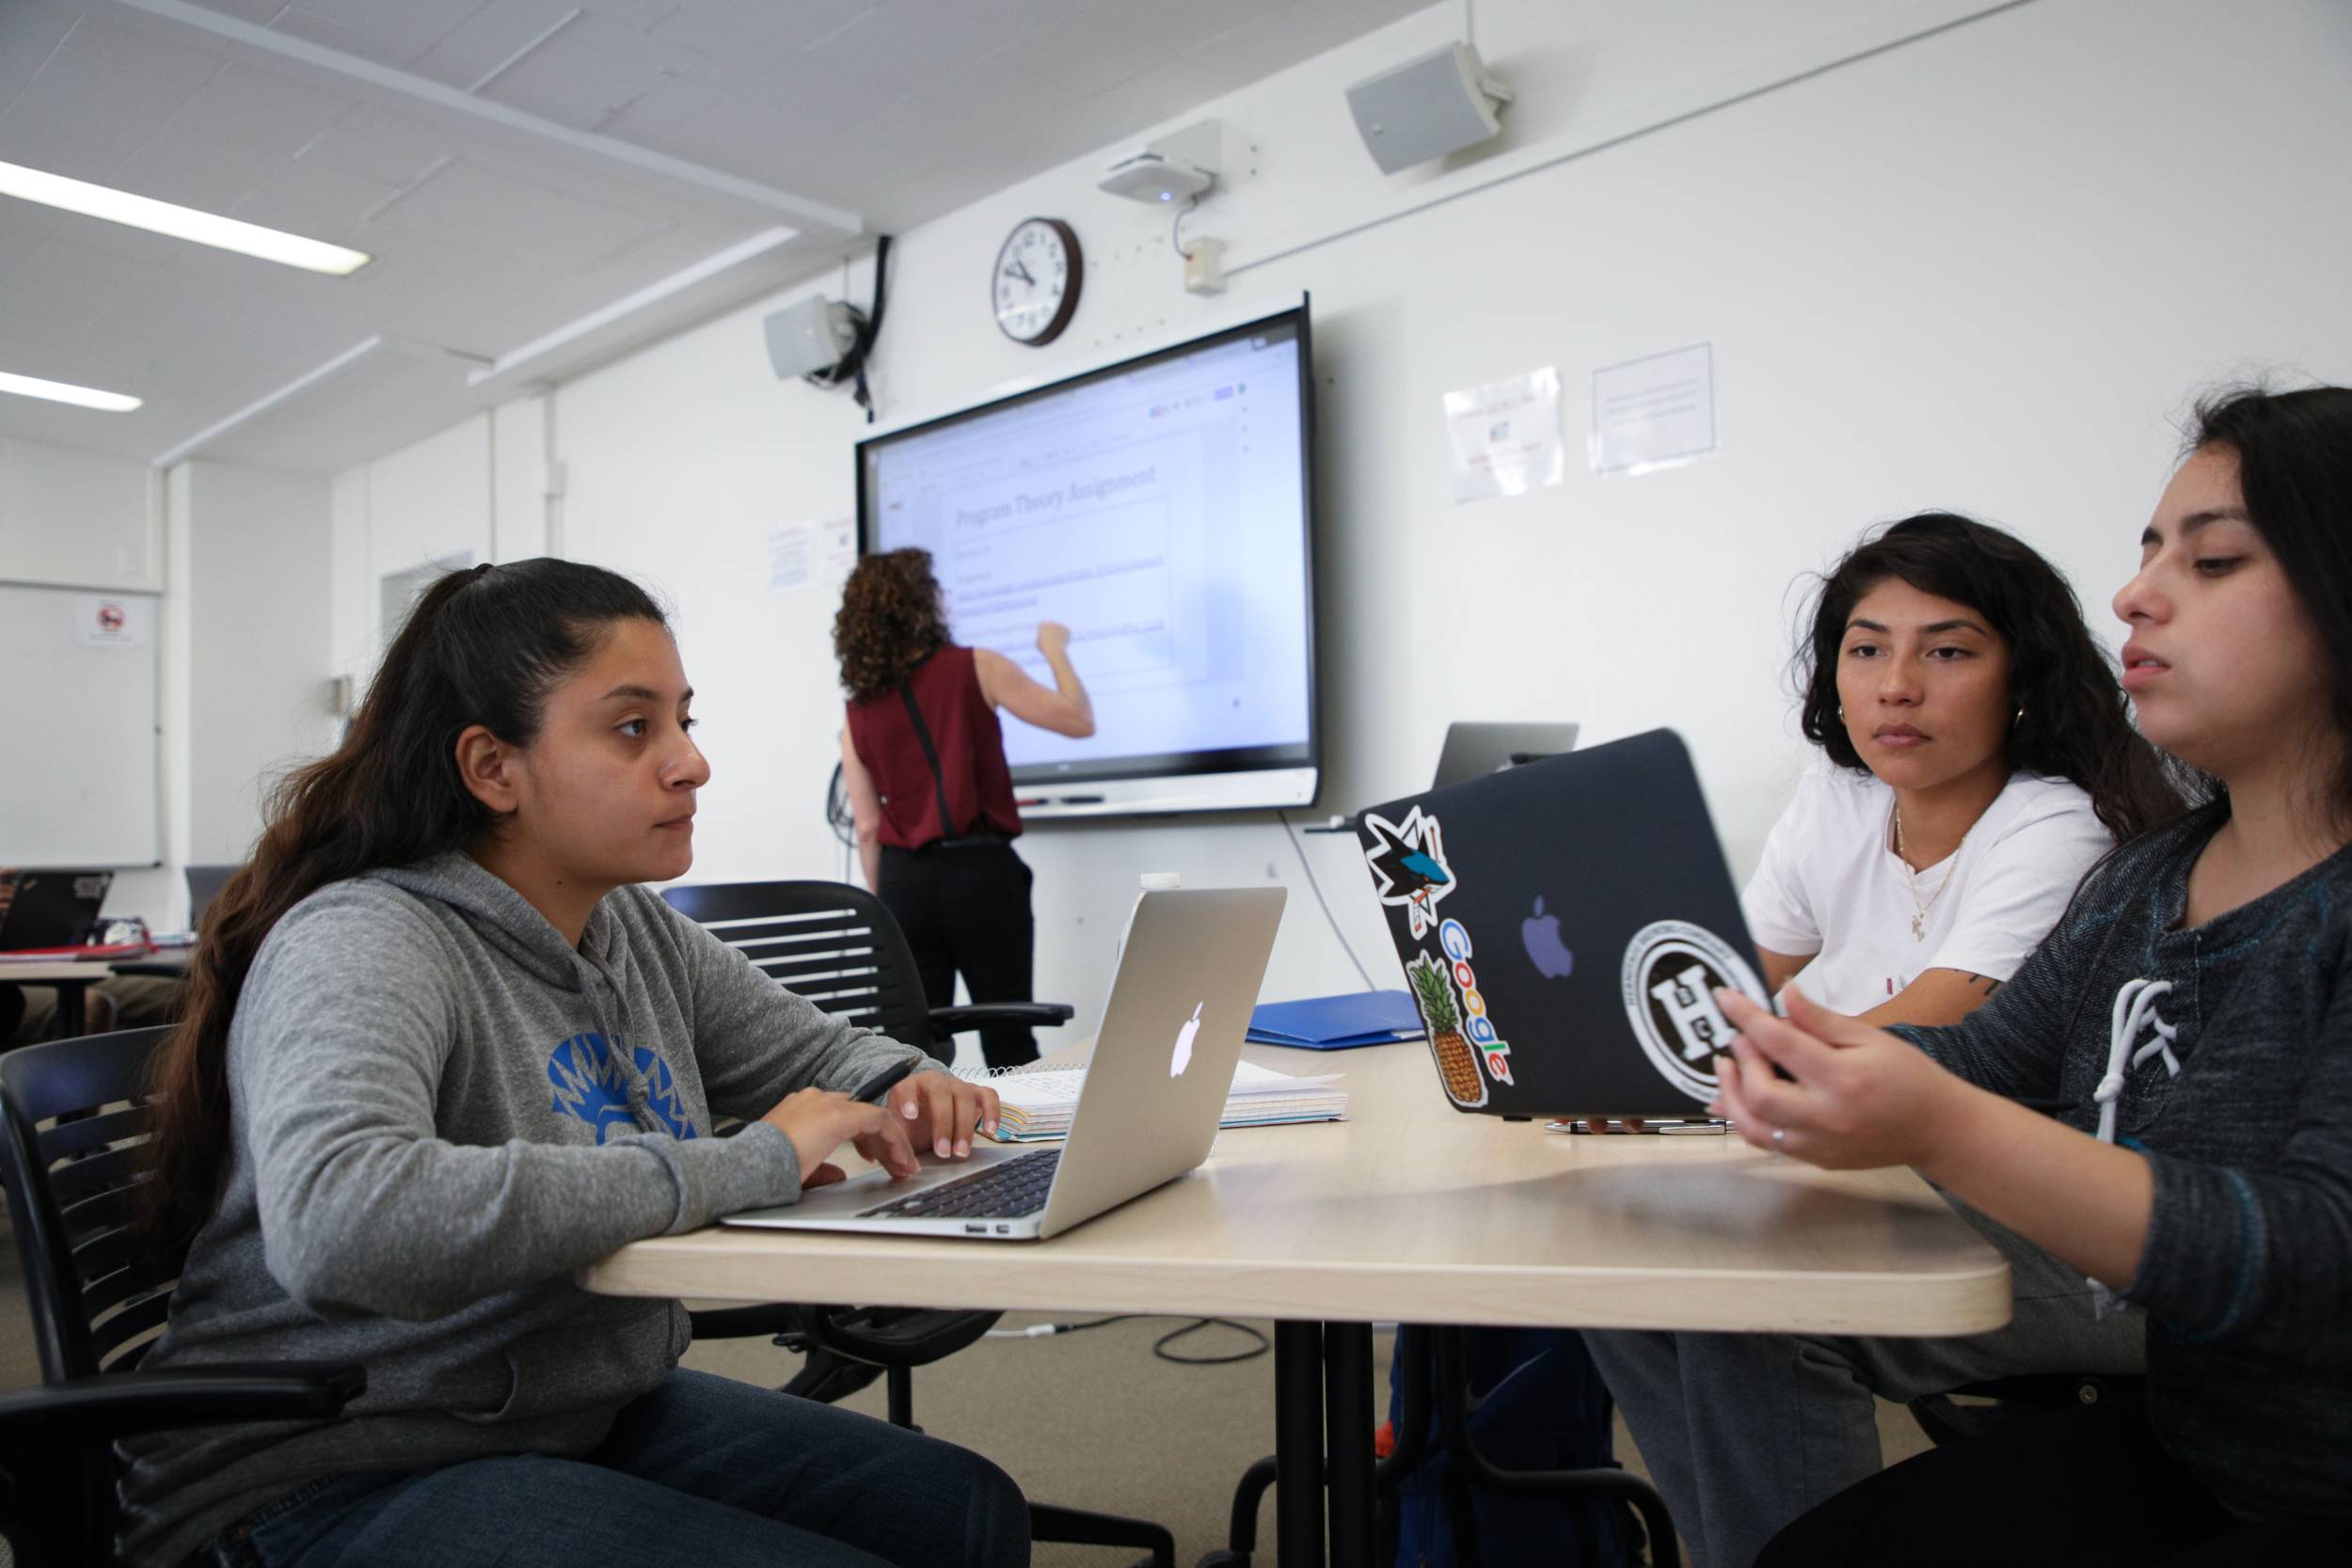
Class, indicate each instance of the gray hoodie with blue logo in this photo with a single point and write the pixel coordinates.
(440, 1109)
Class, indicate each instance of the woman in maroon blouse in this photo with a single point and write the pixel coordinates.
(924, 759)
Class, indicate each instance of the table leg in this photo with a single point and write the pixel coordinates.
(73, 1013)
(1299, 1444)
(1347, 1437)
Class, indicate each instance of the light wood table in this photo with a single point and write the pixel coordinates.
(1413, 1212)
(72, 982)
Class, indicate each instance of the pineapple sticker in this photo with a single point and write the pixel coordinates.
(1458, 1064)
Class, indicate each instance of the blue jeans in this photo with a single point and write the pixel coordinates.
(702, 1470)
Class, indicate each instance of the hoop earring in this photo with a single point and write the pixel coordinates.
(2019, 716)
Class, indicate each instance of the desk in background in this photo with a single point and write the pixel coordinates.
(71, 981)
(1414, 1213)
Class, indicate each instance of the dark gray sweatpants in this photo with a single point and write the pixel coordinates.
(1743, 1432)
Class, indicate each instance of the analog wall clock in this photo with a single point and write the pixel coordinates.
(1034, 286)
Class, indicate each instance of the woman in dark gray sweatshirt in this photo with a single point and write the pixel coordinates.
(2195, 1010)
(442, 1051)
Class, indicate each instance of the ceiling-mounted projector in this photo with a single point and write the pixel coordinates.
(1176, 167)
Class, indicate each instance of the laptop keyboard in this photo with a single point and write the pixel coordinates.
(1011, 1190)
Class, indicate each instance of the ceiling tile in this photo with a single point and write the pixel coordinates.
(207, 173)
(387, 34)
(640, 14)
(475, 207)
(29, 33)
(318, 202)
(50, 126)
(123, 57)
(376, 143)
(271, 111)
(258, 12)
(489, 39)
(673, 102)
(591, 69)
(756, 30)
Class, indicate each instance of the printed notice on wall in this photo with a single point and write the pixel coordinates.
(836, 548)
(1654, 413)
(821, 552)
(792, 555)
(1506, 435)
(102, 621)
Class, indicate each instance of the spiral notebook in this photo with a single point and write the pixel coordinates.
(1036, 1103)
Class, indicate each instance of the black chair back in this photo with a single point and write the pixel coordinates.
(70, 1153)
(830, 943)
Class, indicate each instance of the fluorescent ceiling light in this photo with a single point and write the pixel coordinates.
(61, 391)
(184, 223)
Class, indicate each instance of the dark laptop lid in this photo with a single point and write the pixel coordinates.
(205, 885)
(1563, 926)
(52, 909)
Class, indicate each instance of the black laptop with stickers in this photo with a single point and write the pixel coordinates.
(50, 908)
(1563, 926)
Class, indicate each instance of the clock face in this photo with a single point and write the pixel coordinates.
(1034, 287)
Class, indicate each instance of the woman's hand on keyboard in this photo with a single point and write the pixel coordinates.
(820, 1120)
(946, 1107)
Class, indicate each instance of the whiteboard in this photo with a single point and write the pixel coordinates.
(80, 766)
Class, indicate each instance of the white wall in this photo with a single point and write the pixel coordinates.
(258, 651)
(1980, 270)
(433, 501)
(76, 519)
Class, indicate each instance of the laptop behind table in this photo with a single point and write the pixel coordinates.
(1473, 750)
(52, 909)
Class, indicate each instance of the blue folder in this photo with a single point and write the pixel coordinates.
(1337, 1022)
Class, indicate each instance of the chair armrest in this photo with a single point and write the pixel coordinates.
(114, 1404)
(982, 1015)
(894, 1335)
(741, 1323)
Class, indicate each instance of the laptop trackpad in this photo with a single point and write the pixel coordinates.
(868, 1188)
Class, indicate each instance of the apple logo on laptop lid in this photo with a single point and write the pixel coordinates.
(1181, 1058)
(1539, 933)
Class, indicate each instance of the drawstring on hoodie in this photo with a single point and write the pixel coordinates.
(2135, 1012)
(623, 1061)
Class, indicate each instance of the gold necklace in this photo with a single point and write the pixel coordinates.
(1919, 921)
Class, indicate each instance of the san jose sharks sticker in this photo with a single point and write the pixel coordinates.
(1671, 972)
(1408, 860)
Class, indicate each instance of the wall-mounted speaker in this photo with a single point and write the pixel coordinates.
(810, 337)
(1425, 108)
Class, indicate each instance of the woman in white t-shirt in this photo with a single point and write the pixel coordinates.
(1977, 760)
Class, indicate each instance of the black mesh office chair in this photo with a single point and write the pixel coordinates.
(68, 1152)
(839, 947)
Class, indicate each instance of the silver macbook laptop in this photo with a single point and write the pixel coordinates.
(1472, 750)
(1154, 1091)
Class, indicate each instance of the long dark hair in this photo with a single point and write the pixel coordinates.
(482, 646)
(2294, 453)
(890, 622)
(2074, 723)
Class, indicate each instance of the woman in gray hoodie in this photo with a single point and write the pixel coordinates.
(441, 1050)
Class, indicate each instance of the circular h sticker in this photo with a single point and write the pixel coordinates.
(1671, 972)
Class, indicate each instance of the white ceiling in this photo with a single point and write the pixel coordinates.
(516, 167)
